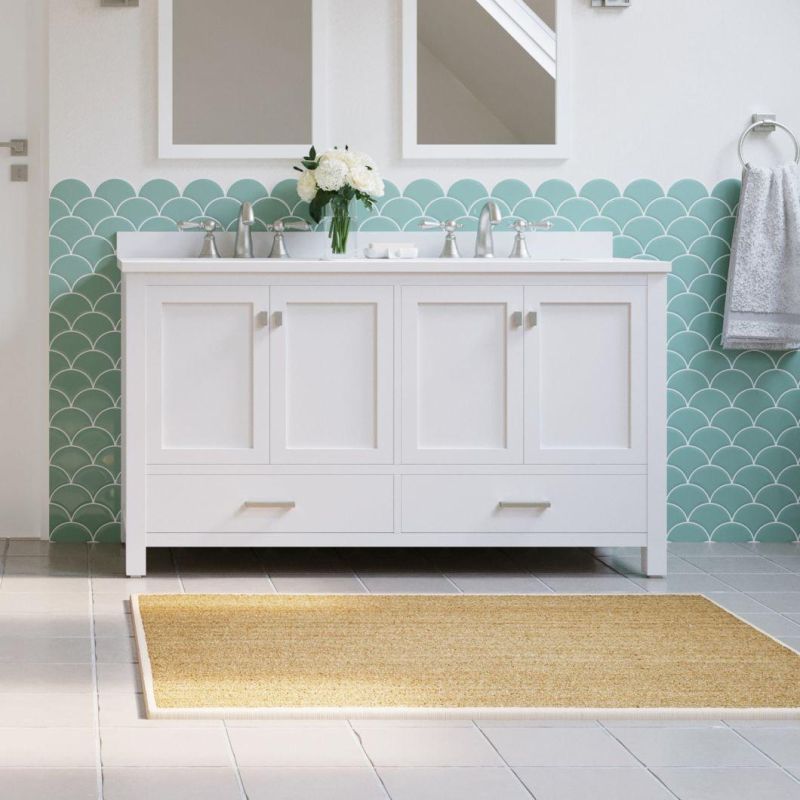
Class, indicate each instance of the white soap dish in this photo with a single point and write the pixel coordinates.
(391, 250)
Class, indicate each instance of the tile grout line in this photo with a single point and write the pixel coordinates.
(628, 750)
(95, 683)
(357, 736)
(232, 754)
(780, 766)
(511, 769)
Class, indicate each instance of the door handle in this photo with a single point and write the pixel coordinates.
(18, 147)
(287, 504)
(536, 504)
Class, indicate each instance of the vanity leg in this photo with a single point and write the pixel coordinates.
(135, 560)
(654, 560)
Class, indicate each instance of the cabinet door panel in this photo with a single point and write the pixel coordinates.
(208, 362)
(332, 374)
(462, 375)
(585, 375)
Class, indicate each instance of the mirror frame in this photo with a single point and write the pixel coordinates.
(167, 148)
(559, 150)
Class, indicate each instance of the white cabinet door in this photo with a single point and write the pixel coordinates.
(585, 374)
(462, 375)
(207, 374)
(332, 374)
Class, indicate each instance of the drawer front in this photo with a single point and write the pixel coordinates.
(270, 504)
(524, 503)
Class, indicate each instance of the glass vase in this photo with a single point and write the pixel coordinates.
(342, 231)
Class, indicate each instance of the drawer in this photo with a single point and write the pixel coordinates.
(472, 503)
(270, 504)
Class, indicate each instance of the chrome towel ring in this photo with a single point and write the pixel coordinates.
(760, 123)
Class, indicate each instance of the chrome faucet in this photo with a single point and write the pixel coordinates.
(244, 237)
(489, 217)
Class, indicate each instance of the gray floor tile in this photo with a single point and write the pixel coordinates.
(317, 584)
(559, 747)
(605, 584)
(116, 650)
(312, 783)
(782, 602)
(734, 564)
(770, 549)
(39, 650)
(738, 603)
(452, 783)
(605, 783)
(689, 747)
(792, 563)
(55, 784)
(782, 745)
(225, 584)
(206, 783)
(683, 584)
(66, 678)
(498, 583)
(428, 747)
(730, 784)
(44, 748)
(772, 623)
(297, 747)
(162, 747)
(780, 582)
(689, 549)
(407, 583)
(54, 709)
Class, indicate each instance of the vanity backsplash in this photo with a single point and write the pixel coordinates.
(734, 417)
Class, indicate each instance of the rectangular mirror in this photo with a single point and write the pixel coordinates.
(240, 78)
(485, 78)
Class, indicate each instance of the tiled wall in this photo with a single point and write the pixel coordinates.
(734, 423)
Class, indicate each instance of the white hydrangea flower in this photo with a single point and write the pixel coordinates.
(376, 187)
(307, 186)
(360, 178)
(332, 172)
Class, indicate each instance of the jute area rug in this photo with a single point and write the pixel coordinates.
(472, 656)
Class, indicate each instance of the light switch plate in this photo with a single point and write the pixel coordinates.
(19, 173)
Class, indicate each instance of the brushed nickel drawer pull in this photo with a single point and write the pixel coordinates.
(287, 504)
(540, 504)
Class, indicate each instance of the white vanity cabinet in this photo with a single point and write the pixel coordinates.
(419, 403)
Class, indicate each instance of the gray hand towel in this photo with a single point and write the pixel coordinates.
(762, 307)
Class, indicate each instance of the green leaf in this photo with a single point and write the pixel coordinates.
(316, 207)
(312, 153)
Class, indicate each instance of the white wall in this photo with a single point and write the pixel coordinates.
(661, 90)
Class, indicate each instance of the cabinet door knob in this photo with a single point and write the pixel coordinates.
(262, 319)
(537, 504)
(531, 319)
(277, 319)
(516, 319)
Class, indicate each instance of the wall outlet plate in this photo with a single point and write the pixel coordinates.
(19, 173)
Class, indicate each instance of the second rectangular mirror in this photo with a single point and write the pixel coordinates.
(485, 78)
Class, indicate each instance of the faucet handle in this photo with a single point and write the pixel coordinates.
(279, 226)
(203, 224)
(521, 225)
(448, 226)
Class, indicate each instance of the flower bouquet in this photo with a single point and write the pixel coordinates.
(338, 178)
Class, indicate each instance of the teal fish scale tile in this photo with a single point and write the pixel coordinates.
(734, 417)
